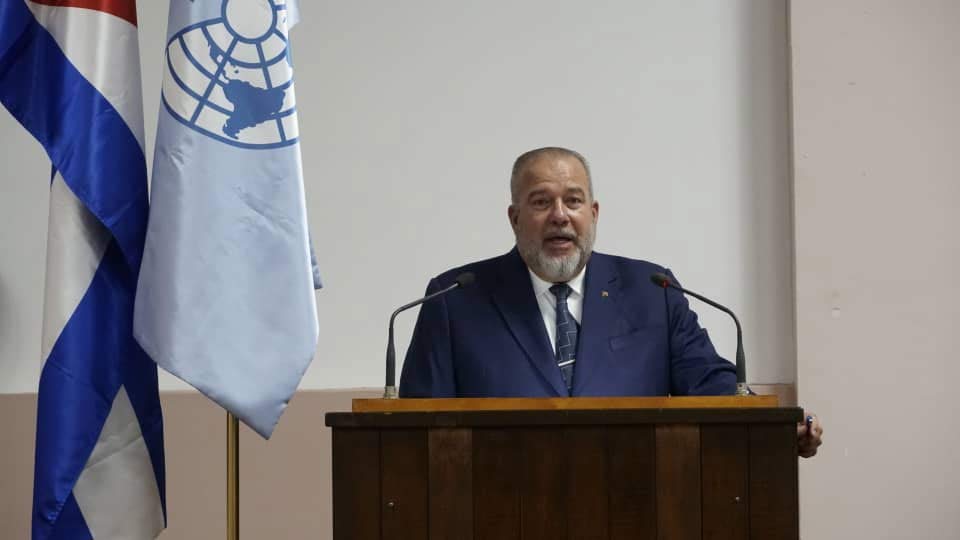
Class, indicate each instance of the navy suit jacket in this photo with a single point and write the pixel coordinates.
(489, 340)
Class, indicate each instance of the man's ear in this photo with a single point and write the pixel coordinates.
(512, 216)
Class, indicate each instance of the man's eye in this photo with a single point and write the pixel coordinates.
(574, 201)
(540, 203)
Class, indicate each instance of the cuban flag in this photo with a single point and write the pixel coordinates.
(70, 73)
(226, 294)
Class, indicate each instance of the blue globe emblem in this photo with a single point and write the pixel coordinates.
(231, 78)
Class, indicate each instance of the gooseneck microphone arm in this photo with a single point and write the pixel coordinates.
(390, 389)
(663, 280)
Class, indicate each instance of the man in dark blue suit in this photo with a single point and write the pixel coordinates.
(551, 318)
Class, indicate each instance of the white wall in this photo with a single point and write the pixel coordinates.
(877, 124)
(412, 113)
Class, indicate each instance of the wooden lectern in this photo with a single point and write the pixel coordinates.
(578, 468)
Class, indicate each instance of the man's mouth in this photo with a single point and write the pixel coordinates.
(561, 240)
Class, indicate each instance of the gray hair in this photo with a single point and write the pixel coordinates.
(521, 163)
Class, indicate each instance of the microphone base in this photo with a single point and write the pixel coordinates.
(390, 392)
(743, 389)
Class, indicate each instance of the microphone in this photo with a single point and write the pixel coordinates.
(662, 280)
(390, 390)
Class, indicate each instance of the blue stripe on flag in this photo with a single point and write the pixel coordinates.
(15, 18)
(71, 525)
(86, 139)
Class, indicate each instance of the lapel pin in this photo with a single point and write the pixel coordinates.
(604, 294)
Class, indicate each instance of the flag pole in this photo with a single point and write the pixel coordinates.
(233, 477)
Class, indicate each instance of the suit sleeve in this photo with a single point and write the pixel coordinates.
(428, 366)
(695, 366)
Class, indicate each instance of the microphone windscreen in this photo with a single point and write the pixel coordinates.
(661, 280)
(466, 279)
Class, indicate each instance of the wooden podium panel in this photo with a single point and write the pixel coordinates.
(529, 469)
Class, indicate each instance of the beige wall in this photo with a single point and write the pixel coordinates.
(876, 111)
(284, 482)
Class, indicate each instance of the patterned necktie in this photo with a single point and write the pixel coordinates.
(567, 331)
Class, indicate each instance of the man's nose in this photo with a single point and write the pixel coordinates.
(558, 213)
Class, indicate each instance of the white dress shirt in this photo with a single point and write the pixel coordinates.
(548, 302)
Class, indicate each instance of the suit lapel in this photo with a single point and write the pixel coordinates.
(515, 299)
(598, 322)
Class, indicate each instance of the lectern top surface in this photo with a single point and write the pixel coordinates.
(577, 403)
(562, 411)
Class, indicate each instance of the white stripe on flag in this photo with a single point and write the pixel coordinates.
(115, 500)
(99, 45)
(76, 241)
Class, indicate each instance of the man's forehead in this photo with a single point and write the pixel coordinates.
(565, 185)
(554, 170)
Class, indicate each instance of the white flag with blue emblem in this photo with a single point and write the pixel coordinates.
(226, 293)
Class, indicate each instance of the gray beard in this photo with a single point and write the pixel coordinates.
(557, 269)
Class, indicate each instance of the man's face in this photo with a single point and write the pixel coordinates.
(554, 217)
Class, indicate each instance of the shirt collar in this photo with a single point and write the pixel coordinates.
(541, 286)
